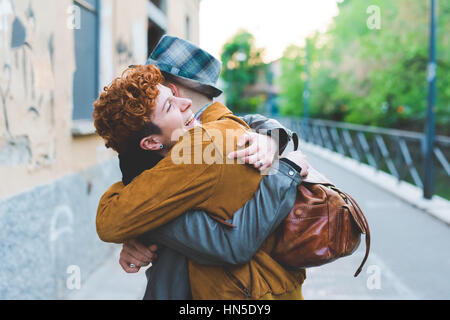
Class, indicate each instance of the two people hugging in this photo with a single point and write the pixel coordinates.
(206, 223)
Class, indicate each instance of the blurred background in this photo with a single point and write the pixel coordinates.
(365, 83)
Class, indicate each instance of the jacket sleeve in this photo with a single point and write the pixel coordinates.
(206, 241)
(264, 125)
(154, 198)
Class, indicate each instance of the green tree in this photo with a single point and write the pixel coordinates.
(242, 62)
(378, 76)
(291, 81)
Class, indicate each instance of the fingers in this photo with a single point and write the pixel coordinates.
(244, 139)
(138, 261)
(126, 266)
(144, 251)
(131, 259)
(249, 138)
(259, 161)
(253, 159)
(266, 166)
(300, 159)
(304, 173)
(260, 153)
(305, 167)
(133, 252)
(261, 164)
(252, 149)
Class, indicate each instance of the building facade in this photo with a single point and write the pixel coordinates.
(55, 56)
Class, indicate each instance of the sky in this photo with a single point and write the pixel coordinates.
(274, 23)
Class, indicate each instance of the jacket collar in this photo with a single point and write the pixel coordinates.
(214, 112)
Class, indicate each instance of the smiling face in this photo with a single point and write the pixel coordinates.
(173, 115)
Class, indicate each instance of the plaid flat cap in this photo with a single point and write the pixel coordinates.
(183, 62)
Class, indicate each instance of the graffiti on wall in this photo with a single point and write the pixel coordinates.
(123, 51)
(134, 49)
(27, 117)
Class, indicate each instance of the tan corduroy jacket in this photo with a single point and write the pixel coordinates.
(197, 175)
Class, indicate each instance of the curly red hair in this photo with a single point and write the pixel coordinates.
(123, 111)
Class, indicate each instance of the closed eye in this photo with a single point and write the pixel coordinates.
(170, 106)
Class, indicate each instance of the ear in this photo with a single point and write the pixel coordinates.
(175, 89)
(150, 143)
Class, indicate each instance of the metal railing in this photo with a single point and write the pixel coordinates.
(398, 152)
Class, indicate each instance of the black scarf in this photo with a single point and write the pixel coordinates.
(133, 163)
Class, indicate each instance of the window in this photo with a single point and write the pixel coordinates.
(157, 22)
(154, 34)
(160, 4)
(86, 77)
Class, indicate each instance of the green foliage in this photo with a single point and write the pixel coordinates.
(242, 62)
(375, 77)
(292, 80)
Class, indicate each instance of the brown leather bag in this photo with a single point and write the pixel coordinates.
(325, 224)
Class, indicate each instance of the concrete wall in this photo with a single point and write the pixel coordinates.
(34, 56)
(51, 181)
(37, 61)
(49, 230)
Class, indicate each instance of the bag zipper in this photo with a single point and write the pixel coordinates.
(239, 284)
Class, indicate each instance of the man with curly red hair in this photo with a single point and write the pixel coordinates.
(137, 115)
(123, 112)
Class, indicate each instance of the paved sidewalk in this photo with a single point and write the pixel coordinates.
(110, 282)
(409, 248)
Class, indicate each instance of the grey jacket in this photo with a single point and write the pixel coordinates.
(196, 236)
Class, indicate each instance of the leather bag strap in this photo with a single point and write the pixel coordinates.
(367, 232)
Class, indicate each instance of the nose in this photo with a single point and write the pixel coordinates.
(185, 105)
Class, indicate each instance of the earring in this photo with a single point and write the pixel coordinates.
(161, 147)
